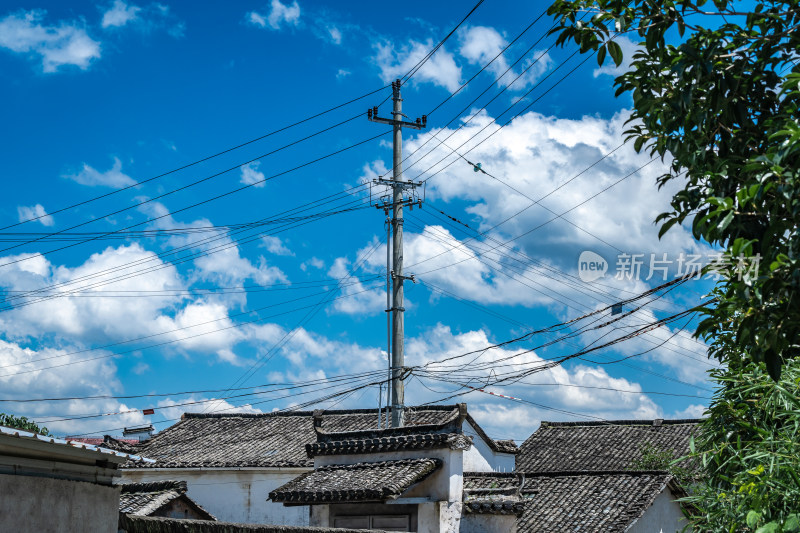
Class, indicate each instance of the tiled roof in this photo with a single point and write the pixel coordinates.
(143, 499)
(613, 445)
(29, 436)
(492, 493)
(273, 439)
(383, 441)
(359, 482)
(588, 501)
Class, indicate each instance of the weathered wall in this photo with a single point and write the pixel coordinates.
(488, 523)
(664, 516)
(233, 495)
(481, 458)
(148, 524)
(30, 504)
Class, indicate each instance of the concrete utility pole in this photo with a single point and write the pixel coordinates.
(398, 184)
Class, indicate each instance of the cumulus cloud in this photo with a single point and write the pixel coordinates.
(34, 212)
(20, 379)
(62, 44)
(359, 299)
(335, 34)
(480, 44)
(251, 174)
(279, 14)
(119, 14)
(219, 259)
(113, 177)
(537, 156)
(441, 69)
(274, 245)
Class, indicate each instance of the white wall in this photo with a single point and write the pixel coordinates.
(30, 504)
(664, 516)
(488, 523)
(233, 495)
(482, 458)
(442, 485)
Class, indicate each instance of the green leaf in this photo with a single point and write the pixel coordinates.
(771, 527)
(601, 55)
(792, 524)
(615, 51)
(752, 519)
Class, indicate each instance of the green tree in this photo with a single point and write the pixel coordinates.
(715, 93)
(21, 422)
(749, 447)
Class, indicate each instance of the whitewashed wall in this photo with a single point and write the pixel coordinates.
(488, 523)
(233, 495)
(482, 458)
(664, 516)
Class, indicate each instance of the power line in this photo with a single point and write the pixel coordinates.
(207, 158)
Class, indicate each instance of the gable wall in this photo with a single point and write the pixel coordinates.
(482, 458)
(233, 495)
(663, 516)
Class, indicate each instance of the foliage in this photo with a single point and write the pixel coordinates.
(654, 458)
(21, 422)
(715, 93)
(749, 448)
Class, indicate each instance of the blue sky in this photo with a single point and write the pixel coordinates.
(104, 97)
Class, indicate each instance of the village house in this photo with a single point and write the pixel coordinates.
(440, 472)
(596, 467)
(53, 485)
(232, 462)
(166, 499)
(408, 478)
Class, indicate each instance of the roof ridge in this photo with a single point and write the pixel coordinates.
(492, 474)
(555, 473)
(328, 412)
(640, 422)
(154, 486)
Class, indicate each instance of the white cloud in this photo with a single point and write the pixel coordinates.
(251, 175)
(202, 405)
(113, 177)
(37, 211)
(119, 14)
(314, 262)
(88, 319)
(58, 45)
(441, 69)
(279, 15)
(537, 155)
(480, 44)
(359, 300)
(256, 19)
(221, 261)
(97, 377)
(335, 34)
(274, 245)
(693, 411)
(342, 73)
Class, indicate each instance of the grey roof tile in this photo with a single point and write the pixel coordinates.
(143, 499)
(359, 482)
(274, 439)
(492, 493)
(613, 445)
(588, 501)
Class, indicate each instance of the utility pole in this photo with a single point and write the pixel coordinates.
(398, 184)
